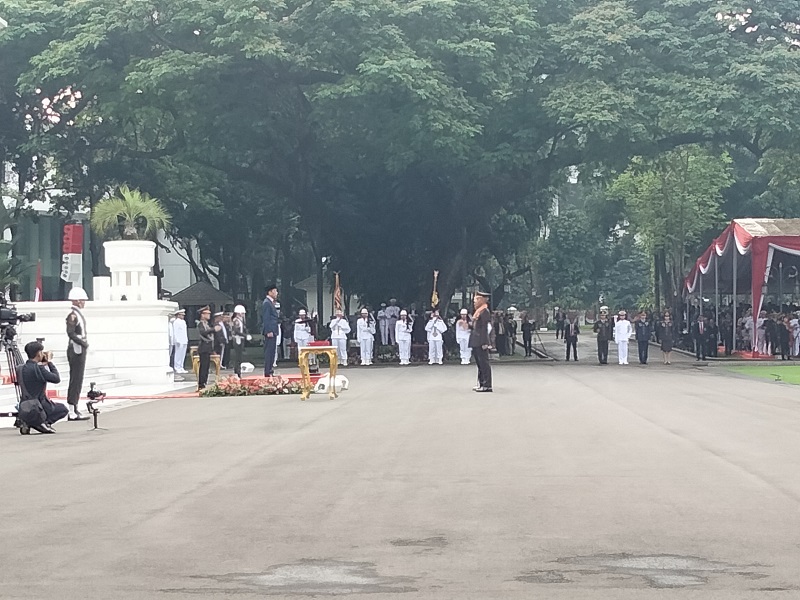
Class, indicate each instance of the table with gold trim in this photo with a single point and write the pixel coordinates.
(305, 376)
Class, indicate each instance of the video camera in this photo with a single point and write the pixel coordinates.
(9, 315)
(95, 397)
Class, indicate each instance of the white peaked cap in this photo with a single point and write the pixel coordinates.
(239, 310)
(404, 312)
(464, 311)
(302, 311)
(77, 293)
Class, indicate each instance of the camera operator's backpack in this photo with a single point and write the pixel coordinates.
(30, 409)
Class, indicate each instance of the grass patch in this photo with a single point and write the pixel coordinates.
(784, 373)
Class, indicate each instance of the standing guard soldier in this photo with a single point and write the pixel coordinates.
(76, 351)
(239, 336)
(605, 332)
(221, 340)
(206, 346)
(479, 341)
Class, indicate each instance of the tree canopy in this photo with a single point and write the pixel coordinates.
(398, 137)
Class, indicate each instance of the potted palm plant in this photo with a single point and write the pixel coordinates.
(134, 219)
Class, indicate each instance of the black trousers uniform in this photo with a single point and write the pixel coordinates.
(205, 364)
(479, 342)
(204, 350)
(77, 366)
(236, 356)
(572, 342)
(484, 368)
(602, 351)
(644, 347)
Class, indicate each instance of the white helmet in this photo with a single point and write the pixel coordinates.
(464, 311)
(77, 293)
(239, 310)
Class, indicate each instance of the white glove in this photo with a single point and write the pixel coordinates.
(249, 337)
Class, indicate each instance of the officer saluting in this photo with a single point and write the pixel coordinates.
(480, 342)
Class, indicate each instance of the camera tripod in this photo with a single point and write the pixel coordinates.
(14, 360)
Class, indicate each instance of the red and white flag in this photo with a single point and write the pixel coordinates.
(38, 294)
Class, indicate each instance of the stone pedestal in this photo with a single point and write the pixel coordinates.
(128, 339)
(127, 326)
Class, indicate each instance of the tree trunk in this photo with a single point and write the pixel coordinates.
(657, 284)
(663, 277)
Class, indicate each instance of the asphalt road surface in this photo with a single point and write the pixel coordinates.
(571, 481)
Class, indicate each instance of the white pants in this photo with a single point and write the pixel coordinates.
(405, 351)
(366, 350)
(341, 349)
(466, 351)
(384, 332)
(796, 344)
(622, 350)
(435, 351)
(180, 357)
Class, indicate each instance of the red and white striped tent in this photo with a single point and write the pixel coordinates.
(741, 259)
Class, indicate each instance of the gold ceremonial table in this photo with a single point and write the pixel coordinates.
(302, 359)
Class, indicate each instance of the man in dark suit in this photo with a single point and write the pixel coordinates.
(33, 378)
(480, 342)
(571, 333)
(700, 337)
(270, 323)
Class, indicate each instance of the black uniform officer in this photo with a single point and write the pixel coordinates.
(480, 342)
(604, 329)
(206, 346)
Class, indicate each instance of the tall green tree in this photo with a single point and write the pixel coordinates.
(673, 202)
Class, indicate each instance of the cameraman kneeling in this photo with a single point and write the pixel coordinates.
(36, 410)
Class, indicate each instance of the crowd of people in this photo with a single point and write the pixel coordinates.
(776, 332)
(391, 326)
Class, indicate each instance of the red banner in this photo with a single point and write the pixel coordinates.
(72, 242)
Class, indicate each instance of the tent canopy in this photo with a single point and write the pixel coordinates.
(741, 258)
(754, 243)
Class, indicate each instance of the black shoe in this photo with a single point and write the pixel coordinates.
(24, 429)
(44, 429)
(477, 388)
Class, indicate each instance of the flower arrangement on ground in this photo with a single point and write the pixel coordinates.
(258, 386)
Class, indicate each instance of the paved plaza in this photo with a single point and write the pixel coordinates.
(570, 481)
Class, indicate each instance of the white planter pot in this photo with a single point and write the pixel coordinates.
(130, 255)
(130, 263)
